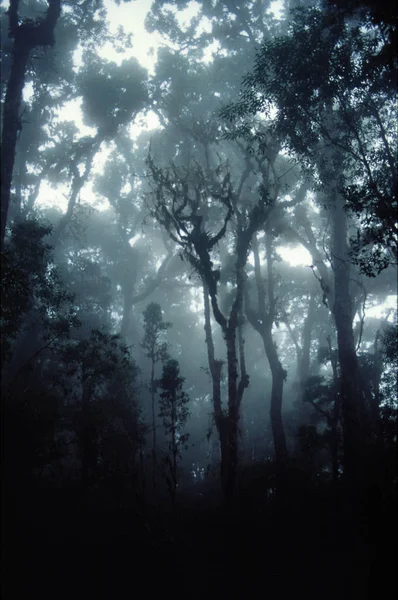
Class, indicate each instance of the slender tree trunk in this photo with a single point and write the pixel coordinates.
(335, 419)
(142, 468)
(11, 127)
(237, 382)
(233, 414)
(15, 210)
(375, 398)
(127, 288)
(304, 358)
(262, 321)
(278, 377)
(88, 434)
(174, 451)
(78, 181)
(353, 431)
(215, 367)
(154, 458)
(334, 446)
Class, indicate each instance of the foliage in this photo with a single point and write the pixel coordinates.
(31, 284)
(154, 327)
(388, 384)
(317, 77)
(107, 417)
(174, 412)
(320, 99)
(311, 441)
(382, 16)
(173, 404)
(112, 94)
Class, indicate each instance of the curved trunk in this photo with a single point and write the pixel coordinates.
(262, 320)
(278, 378)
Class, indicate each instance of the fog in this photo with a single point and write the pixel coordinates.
(199, 289)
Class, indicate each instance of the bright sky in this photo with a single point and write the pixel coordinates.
(131, 17)
(295, 256)
(382, 310)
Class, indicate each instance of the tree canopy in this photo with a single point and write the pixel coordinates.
(199, 253)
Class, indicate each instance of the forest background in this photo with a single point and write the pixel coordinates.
(199, 250)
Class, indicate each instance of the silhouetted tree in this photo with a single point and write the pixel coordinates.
(156, 350)
(174, 412)
(27, 35)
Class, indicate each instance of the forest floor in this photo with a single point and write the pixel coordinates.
(302, 550)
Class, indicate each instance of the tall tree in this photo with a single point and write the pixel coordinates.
(333, 114)
(156, 350)
(328, 103)
(263, 320)
(27, 35)
(180, 207)
(174, 412)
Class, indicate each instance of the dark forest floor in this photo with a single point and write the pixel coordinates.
(55, 549)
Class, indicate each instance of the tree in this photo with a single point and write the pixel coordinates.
(265, 316)
(331, 106)
(262, 321)
(27, 35)
(382, 16)
(174, 412)
(100, 385)
(333, 115)
(180, 207)
(37, 310)
(69, 159)
(156, 350)
(123, 94)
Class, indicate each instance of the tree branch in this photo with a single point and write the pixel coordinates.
(156, 281)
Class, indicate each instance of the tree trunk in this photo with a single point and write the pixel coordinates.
(262, 320)
(303, 362)
(78, 181)
(88, 434)
(174, 452)
(353, 438)
(303, 359)
(27, 36)
(278, 377)
(127, 289)
(215, 367)
(336, 416)
(11, 127)
(233, 414)
(153, 422)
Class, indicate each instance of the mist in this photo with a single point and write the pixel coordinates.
(199, 298)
